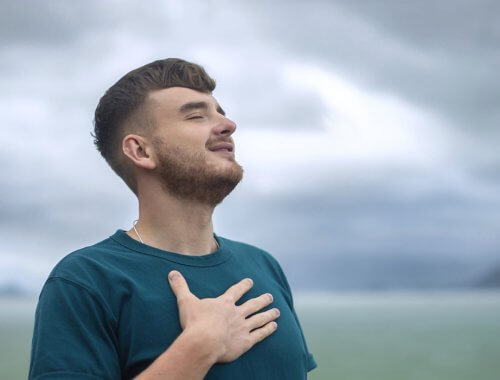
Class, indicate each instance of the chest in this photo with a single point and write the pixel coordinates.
(149, 323)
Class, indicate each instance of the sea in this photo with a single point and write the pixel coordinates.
(452, 335)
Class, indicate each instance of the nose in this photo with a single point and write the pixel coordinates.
(225, 127)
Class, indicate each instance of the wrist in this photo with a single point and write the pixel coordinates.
(203, 345)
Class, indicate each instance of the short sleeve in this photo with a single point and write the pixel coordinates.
(311, 362)
(74, 335)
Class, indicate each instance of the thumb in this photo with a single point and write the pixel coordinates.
(179, 285)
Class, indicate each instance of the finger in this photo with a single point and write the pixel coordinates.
(237, 290)
(260, 334)
(259, 320)
(179, 285)
(255, 304)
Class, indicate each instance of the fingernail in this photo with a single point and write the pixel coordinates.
(173, 275)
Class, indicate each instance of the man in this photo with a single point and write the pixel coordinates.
(108, 311)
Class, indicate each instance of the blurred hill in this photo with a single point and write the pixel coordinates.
(367, 273)
(391, 272)
(491, 280)
(10, 289)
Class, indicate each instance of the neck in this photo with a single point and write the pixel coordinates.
(174, 224)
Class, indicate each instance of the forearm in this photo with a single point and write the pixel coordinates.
(188, 358)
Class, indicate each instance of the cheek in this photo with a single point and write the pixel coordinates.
(196, 138)
(190, 139)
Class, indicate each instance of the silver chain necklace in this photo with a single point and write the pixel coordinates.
(139, 236)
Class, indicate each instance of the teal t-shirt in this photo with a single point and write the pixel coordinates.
(107, 311)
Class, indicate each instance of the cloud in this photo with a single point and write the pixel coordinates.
(442, 56)
(362, 129)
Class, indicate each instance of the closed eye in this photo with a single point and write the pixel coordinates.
(194, 117)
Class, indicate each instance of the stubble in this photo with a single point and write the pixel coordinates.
(191, 176)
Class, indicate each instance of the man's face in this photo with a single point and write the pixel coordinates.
(193, 144)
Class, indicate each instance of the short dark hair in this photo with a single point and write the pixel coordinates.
(125, 98)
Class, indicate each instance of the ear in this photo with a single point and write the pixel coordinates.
(139, 151)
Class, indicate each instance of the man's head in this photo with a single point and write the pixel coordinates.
(165, 111)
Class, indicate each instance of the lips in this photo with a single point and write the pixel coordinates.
(227, 147)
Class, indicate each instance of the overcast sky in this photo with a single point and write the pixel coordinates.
(364, 128)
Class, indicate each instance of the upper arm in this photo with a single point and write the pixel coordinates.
(74, 335)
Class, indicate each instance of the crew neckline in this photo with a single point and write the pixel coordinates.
(215, 258)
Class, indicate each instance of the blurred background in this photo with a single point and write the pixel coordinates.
(369, 135)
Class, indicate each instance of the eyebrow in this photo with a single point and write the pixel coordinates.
(198, 105)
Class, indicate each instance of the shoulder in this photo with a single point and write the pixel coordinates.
(81, 265)
(244, 251)
(241, 248)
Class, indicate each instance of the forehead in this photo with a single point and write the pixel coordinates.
(168, 101)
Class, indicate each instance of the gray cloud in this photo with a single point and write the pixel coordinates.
(60, 23)
(50, 22)
(441, 55)
(370, 217)
(58, 58)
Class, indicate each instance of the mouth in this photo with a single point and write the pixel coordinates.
(224, 148)
(224, 152)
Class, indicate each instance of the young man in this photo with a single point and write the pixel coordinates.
(168, 299)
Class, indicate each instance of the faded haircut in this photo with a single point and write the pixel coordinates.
(121, 109)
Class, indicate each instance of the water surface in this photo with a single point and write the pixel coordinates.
(353, 336)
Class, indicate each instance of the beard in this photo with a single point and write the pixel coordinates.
(193, 177)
